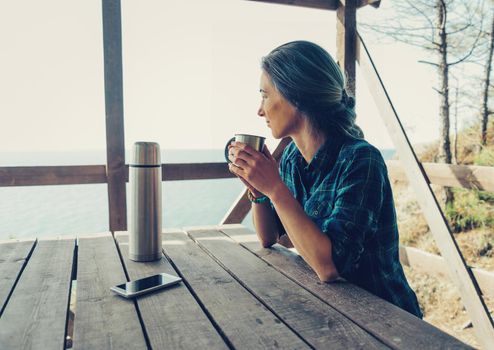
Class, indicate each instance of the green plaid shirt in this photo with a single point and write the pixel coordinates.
(345, 190)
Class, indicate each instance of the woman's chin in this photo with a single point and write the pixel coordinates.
(277, 135)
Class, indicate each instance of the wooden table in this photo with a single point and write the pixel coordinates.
(234, 295)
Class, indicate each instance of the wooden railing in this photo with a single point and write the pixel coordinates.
(449, 175)
(436, 265)
(464, 176)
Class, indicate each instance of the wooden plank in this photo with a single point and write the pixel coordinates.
(450, 175)
(473, 177)
(115, 143)
(36, 314)
(316, 4)
(319, 324)
(173, 319)
(469, 291)
(242, 319)
(196, 171)
(52, 175)
(13, 259)
(241, 207)
(388, 323)
(435, 264)
(346, 41)
(103, 320)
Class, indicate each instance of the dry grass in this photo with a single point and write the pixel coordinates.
(477, 245)
(438, 296)
(441, 304)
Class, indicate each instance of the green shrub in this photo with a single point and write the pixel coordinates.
(485, 157)
(470, 209)
(487, 197)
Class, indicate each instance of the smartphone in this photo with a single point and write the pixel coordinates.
(145, 285)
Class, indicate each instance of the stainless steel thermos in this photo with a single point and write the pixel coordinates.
(145, 202)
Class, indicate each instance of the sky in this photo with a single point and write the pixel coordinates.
(190, 68)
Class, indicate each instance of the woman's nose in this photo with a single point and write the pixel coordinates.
(260, 112)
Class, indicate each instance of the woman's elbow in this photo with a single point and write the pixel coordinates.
(328, 275)
(267, 243)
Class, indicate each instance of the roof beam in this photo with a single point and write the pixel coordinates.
(317, 4)
(373, 3)
(321, 4)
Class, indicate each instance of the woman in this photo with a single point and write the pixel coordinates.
(330, 197)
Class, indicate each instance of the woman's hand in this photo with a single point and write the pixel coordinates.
(257, 170)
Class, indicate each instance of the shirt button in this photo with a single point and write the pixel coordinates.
(316, 212)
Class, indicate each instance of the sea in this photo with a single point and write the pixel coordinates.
(51, 211)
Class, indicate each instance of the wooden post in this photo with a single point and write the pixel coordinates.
(115, 145)
(346, 41)
(460, 274)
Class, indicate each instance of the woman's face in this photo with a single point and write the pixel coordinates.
(281, 116)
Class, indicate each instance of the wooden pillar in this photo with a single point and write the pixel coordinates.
(346, 41)
(115, 145)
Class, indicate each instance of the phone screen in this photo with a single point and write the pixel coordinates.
(148, 283)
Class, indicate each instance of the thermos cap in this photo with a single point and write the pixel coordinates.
(146, 153)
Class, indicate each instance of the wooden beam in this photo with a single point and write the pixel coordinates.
(463, 176)
(448, 175)
(52, 175)
(191, 171)
(196, 171)
(346, 42)
(436, 265)
(316, 4)
(241, 207)
(238, 211)
(321, 4)
(115, 144)
(373, 3)
(459, 272)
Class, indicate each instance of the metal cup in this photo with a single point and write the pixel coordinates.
(256, 142)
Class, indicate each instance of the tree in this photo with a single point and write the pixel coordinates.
(484, 111)
(449, 32)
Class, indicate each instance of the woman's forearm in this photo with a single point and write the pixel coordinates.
(314, 246)
(265, 224)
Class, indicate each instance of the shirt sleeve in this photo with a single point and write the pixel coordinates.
(357, 206)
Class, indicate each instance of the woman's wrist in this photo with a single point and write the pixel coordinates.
(257, 199)
(255, 193)
(278, 192)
